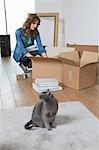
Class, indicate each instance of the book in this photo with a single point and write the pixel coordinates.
(43, 89)
(31, 48)
(46, 81)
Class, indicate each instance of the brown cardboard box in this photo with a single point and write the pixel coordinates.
(50, 66)
(46, 67)
(55, 51)
(81, 73)
(81, 48)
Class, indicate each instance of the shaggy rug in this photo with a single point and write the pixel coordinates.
(77, 129)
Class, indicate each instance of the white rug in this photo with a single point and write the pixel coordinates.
(77, 129)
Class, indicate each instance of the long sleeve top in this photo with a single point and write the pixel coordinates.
(22, 44)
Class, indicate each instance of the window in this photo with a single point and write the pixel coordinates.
(16, 11)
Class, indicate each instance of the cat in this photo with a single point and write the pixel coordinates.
(44, 112)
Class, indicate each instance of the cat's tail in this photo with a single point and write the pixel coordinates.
(28, 125)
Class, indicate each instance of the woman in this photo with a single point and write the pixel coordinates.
(25, 37)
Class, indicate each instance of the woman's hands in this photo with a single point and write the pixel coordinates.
(28, 55)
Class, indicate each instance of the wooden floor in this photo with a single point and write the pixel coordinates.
(17, 93)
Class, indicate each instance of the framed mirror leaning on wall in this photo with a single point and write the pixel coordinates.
(49, 28)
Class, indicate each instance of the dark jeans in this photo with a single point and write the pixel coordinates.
(26, 61)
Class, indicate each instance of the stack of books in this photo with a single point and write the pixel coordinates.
(43, 84)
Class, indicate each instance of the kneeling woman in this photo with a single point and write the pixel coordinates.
(25, 37)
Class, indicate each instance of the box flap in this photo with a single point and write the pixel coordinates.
(88, 57)
(70, 58)
(45, 59)
(55, 51)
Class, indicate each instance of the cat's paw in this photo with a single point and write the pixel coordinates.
(49, 128)
(53, 125)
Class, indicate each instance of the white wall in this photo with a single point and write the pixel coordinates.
(17, 11)
(78, 19)
(2, 18)
(81, 21)
(98, 22)
(51, 6)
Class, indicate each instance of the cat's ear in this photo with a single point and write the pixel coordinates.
(48, 92)
(41, 95)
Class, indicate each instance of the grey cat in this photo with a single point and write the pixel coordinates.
(44, 112)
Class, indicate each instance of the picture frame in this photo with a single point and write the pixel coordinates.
(55, 17)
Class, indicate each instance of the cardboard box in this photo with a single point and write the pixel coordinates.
(79, 73)
(46, 67)
(55, 51)
(81, 48)
(50, 66)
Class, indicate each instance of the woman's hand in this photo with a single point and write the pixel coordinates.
(28, 55)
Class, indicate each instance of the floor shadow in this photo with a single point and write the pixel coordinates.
(63, 119)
